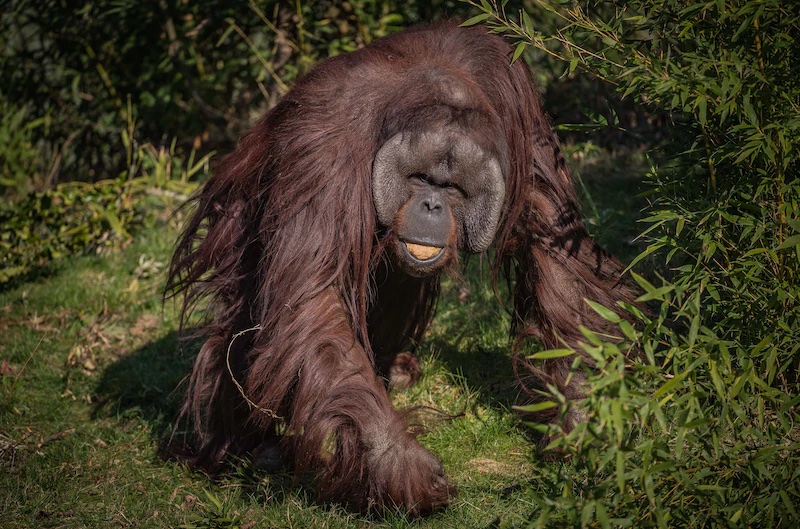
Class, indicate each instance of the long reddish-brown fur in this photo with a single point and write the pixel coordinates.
(285, 242)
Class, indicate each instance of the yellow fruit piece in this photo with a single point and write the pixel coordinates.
(422, 252)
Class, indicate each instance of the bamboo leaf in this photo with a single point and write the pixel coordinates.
(537, 407)
(477, 19)
(518, 51)
(552, 353)
(603, 311)
(790, 242)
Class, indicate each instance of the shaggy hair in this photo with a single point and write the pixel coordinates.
(284, 244)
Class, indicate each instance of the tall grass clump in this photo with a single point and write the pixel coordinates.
(702, 430)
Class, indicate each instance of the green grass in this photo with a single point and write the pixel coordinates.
(90, 386)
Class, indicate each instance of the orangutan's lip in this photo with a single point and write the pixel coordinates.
(423, 252)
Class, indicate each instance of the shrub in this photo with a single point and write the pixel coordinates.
(196, 71)
(701, 431)
(21, 164)
(78, 217)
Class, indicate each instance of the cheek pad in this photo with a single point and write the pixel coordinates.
(481, 213)
(389, 188)
(481, 216)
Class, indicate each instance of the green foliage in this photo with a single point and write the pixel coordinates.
(196, 71)
(217, 515)
(701, 430)
(77, 217)
(20, 162)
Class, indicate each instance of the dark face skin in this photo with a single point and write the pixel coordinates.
(440, 192)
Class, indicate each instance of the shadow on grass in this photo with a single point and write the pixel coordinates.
(148, 385)
(487, 372)
(470, 336)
